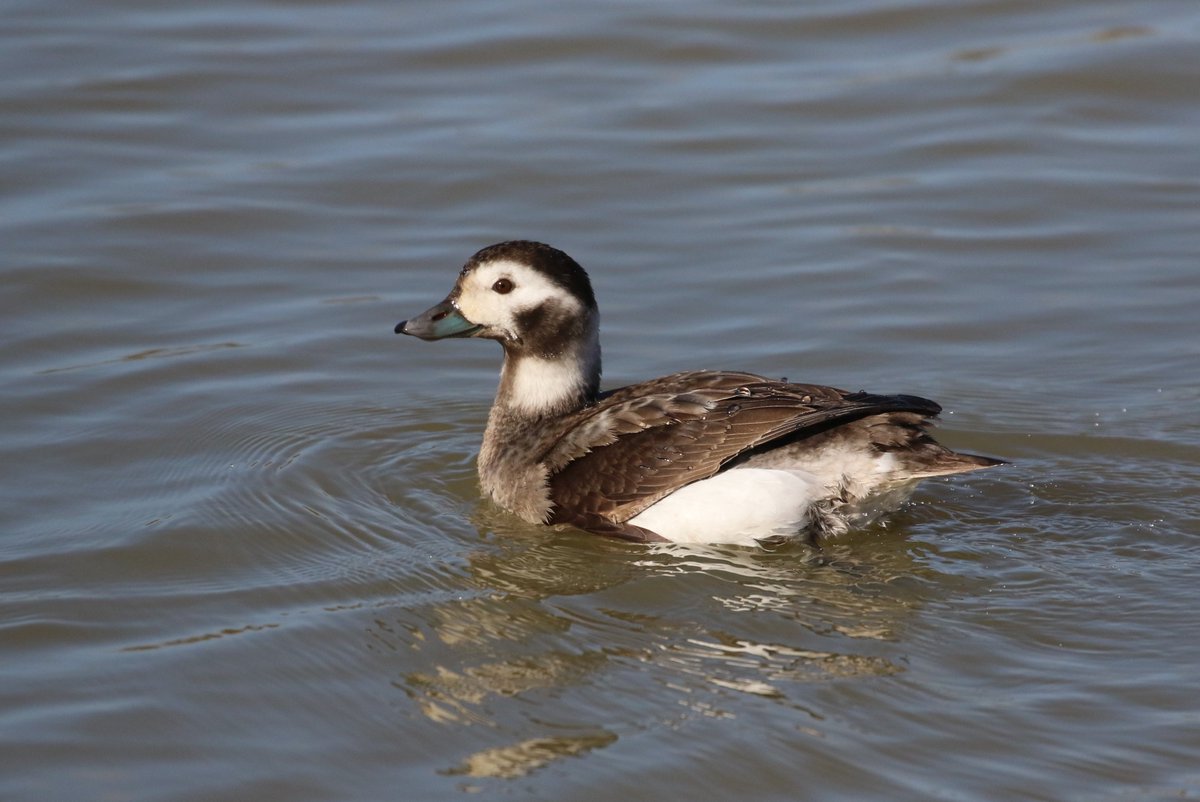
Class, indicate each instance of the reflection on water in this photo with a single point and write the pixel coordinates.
(516, 760)
(557, 615)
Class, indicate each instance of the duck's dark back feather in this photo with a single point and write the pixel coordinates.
(640, 443)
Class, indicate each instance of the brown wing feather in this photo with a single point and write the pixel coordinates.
(642, 443)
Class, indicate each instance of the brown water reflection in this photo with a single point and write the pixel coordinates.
(569, 615)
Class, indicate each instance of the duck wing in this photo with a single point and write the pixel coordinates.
(641, 443)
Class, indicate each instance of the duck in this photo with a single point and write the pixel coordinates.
(701, 456)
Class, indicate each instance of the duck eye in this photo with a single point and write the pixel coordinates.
(502, 286)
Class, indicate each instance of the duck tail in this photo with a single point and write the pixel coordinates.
(950, 462)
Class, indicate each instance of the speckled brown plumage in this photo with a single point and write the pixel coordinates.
(643, 442)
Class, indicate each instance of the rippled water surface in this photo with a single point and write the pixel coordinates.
(242, 549)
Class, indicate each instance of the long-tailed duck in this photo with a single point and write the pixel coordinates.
(694, 457)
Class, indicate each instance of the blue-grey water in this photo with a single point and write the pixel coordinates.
(243, 553)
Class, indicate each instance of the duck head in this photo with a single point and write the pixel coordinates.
(534, 300)
(529, 296)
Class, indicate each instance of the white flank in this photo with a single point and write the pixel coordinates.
(739, 506)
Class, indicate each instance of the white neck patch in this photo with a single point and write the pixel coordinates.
(538, 385)
(533, 385)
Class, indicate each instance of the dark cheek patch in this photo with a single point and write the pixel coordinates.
(531, 321)
(547, 329)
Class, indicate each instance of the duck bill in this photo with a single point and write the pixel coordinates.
(439, 322)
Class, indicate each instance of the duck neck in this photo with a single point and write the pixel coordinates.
(540, 385)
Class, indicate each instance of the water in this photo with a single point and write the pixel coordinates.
(242, 550)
